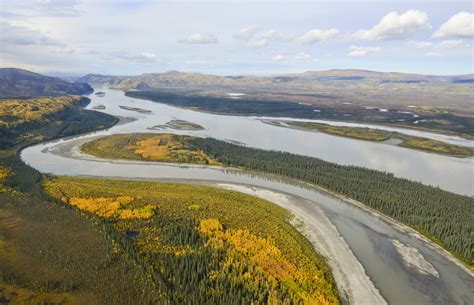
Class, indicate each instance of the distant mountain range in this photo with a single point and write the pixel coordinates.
(175, 79)
(18, 83)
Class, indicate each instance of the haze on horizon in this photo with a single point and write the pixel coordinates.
(249, 37)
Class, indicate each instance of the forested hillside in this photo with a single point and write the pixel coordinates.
(18, 83)
(23, 121)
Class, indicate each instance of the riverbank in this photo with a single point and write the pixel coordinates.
(186, 149)
(378, 135)
(73, 150)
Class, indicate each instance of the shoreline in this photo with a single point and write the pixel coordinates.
(399, 226)
(388, 125)
(394, 141)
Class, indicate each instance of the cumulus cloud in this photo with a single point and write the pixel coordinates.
(357, 51)
(278, 57)
(460, 25)
(246, 33)
(317, 35)
(20, 35)
(198, 38)
(303, 56)
(395, 26)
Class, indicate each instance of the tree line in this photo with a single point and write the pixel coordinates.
(445, 217)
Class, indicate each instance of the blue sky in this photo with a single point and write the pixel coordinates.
(236, 37)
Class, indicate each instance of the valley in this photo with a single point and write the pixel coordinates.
(338, 225)
(236, 152)
(65, 158)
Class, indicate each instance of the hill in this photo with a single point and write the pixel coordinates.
(346, 88)
(22, 84)
(310, 78)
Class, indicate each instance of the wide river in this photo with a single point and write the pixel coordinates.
(404, 268)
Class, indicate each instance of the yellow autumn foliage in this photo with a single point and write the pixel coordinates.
(150, 147)
(112, 207)
(16, 112)
(248, 241)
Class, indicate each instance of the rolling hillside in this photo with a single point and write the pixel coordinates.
(18, 83)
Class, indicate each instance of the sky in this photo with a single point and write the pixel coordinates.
(243, 37)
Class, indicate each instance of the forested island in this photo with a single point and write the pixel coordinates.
(444, 217)
(379, 135)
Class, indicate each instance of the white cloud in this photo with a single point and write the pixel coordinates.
(450, 44)
(394, 26)
(56, 8)
(303, 56)
(278, 57)
(20, 35)
(445, 44)
(357, 51)
(459, 25)
(246, 33)
(139, 58)
(41, 8)
(257, 37)
(198, 38)
(432, 54)
(421, 44)
(269, 34)
(317, 35)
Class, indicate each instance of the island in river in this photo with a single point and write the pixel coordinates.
(378, 135)
(416, 207)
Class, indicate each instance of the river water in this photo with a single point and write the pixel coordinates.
(371, 239)
(450, 173)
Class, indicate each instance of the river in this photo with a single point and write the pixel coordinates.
(403, 268)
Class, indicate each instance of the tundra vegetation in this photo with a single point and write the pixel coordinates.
(444, 217)
(378, 135)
